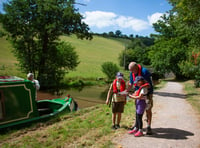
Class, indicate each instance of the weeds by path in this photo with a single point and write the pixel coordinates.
(193, 95)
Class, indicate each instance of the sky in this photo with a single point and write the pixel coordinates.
(129, 16)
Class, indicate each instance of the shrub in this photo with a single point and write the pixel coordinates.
(110, 69)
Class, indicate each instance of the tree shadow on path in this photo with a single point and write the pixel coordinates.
(171, 133)
(174, 95)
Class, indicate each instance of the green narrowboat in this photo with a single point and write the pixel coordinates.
(18, 103)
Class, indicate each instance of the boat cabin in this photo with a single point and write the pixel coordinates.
(18, 102)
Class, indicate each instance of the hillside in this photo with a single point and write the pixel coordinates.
(91, 55)
(7, 60)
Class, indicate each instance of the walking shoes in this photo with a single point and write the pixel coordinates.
(138, 134)
(133, 131)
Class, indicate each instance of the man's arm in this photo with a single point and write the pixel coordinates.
(130, 85)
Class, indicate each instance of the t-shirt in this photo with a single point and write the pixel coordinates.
(36, 83)
(144, 91)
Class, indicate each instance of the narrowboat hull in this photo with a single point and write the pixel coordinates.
(18, 103)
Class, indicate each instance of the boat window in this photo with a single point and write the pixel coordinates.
(1, 105)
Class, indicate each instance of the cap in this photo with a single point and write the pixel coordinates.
(138, 78)
(120, 75)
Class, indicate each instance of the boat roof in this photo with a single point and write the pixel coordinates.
(10, 79)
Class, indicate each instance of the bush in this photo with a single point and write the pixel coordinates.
(110, 69)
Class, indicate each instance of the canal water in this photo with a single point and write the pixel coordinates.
(85, 97)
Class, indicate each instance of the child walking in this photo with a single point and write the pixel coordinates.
(118, 100)
(140, 95)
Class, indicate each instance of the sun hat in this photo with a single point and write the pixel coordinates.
(138, 78)
(120, 75)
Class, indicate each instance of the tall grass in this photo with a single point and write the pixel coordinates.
(193, 95)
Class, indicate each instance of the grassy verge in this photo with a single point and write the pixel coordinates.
(193, 95)
(159, 84)
(90, 127)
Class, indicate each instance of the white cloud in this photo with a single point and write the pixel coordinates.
(133, 23)
(101, 19)
(154, 17)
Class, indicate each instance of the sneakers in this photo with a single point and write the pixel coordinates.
(149, 132)
(138, 134)
(115, 126)
(133, 131)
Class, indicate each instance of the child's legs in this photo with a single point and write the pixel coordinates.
(119, 115)
(113, 118)
(140, 123)
(136, 121)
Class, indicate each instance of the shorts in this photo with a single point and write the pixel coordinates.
(118, 107)
(149, 102)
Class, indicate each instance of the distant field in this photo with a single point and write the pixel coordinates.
(91, 56)
(7, 60)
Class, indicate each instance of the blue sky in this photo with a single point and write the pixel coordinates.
(129, 16)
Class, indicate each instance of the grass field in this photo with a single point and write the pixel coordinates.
(7, 60)
(91, 56)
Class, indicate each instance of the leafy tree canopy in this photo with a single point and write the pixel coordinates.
(34, 28)
(178, 38)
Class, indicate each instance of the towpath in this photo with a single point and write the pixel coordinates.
(174, 125)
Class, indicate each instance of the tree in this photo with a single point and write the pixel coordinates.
(170, 46)
(110, 69)
(178, 40)
(188, 12)
(136, 51)
(118, 33)
(35, 27)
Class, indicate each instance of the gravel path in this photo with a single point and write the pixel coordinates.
(174, 124)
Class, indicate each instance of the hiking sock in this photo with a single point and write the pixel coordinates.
(135, 128)
(141, 130)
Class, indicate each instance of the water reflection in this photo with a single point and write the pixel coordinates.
(85, 97)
